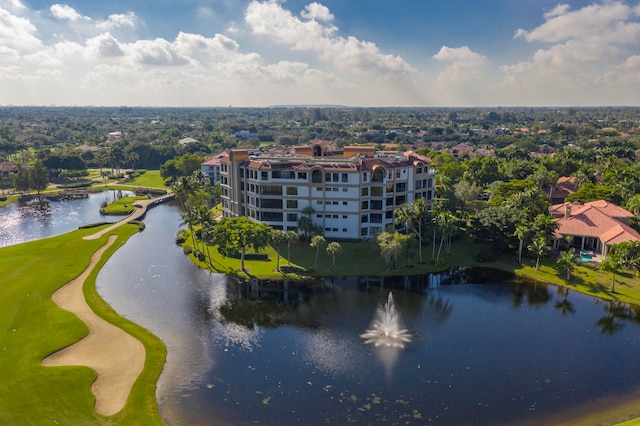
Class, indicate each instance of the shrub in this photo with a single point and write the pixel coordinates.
(187, 250)
(180, 238)
(3, 198)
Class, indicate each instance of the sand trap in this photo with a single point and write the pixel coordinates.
(116, 356)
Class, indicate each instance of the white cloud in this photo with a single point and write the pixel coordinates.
(118, 20)
(317, 11)
(271, 19)
(65, 12)
(105, 46)
(463, 76)
(17, 32)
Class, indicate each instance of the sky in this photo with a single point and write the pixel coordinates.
(256, 53)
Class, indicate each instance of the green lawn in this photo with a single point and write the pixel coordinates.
(123, 206)
(32, 327)
(151, 179)
(10, 199)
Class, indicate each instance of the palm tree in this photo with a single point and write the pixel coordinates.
(292, 237)
(539, 248)
(278, 237)
(305, 222)
(317, 241)
(420, 209)
(333, 249)
(183, 188)
(521, 233)
(204, 219)
(189, 218)
(405, 216)
(633, 205)
(612, 263)
(568, 261)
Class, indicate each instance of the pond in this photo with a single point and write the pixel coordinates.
(34, 220)
(283, 353)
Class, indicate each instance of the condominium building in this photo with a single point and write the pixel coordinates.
(353, 192)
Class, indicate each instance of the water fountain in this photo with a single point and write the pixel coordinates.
(386, 327)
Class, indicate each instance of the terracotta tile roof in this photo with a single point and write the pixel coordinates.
(595, 219)
(215, 159)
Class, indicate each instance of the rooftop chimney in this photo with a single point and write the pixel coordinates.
(567, 211)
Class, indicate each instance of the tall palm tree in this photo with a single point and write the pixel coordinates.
(521, 233)
(292, 237)
(317, 241)
(420, 210)
(333, 249)
(278, 237)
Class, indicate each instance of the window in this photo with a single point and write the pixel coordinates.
(419, 170)
(241, 172)
(344, 203)
(364, 205)
(316, 176)
(389, 188)
(364, 177)
(319, 215)
(344, 230)
(264, 176)
(418, 184)
(302, 175)
(345, 177)
(334, 229)
(375, 217)
(397, 174)
(345, 189)
(292, 190)
(335, 203)
(344, 216)
(271, 203)
(401, 199)
(389, 201)
(401, 187)
(292, 217)
(241, 186)
(389, 214)
(364, 218)
(335, 216)
(364, 192)
(319, 202)
(334, 189)
(376, 204)
(364, 232)
(292, 204)
(376, 191)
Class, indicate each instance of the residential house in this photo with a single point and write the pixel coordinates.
(565, 186)
(211, 166)
(594, 226)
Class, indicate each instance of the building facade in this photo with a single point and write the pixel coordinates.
(353, 192)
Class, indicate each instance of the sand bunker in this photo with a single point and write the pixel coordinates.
(116, 356)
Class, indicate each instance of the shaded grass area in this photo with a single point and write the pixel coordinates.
(123, 206)
(32, 326)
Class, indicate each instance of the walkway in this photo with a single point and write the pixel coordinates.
(141, 209)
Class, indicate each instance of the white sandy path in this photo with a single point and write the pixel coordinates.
(116, 356)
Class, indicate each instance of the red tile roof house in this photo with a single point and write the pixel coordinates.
(595, 226)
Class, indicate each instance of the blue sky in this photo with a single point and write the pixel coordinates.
(355, 52)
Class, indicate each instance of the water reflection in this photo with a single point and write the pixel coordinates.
(36, 219)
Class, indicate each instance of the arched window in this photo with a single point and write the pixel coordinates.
(316, 176)
(317, 151)
(378, 174)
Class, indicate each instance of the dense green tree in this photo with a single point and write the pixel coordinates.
(278, 237)
(38, 177)
(539, 249)
(390, 247)
(234, 236)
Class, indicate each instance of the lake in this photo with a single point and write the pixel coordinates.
(492, 352)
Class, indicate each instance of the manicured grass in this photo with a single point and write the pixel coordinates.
(151, 179)
(123, 206)
(363, 258)
(10, 199)
(32, 327)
